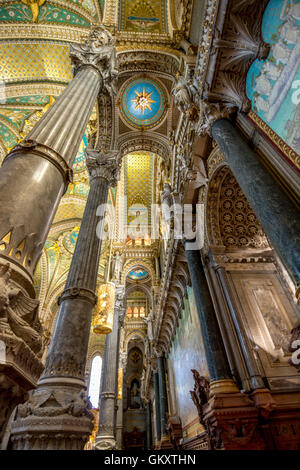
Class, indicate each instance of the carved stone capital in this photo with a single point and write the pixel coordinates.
(211, 112)
(103, 165)
(98, 51)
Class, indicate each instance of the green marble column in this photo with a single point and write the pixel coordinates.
(157, 406)
(148, 426)
(219, 371)
(106, 436)
(163, 398)
(277, 214)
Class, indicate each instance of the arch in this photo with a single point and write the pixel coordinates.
(162, 63)
(149, 141)
(129, 337)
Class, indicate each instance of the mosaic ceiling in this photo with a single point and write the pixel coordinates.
(35, 60)
(138, 175)
(40, 68)
(143, 103)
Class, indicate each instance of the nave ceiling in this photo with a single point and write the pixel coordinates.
(35, 68)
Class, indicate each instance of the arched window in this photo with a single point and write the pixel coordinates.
(94, 385)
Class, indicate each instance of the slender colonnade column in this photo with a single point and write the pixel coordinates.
(106, 437)
(57, 414)
(148, 426)
(157, 406)
(163, 400)
(219, 371)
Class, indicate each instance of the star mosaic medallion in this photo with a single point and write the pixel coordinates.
(143, 100)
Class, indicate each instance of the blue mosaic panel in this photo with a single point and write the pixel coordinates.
(273, 85)
(143, 103)
(138, 274)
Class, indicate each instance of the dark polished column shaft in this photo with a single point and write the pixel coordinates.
(69, 343)
(162, 395)
(106, 430)
(277, 214)
(64, 374)
(214, 349)
(148, 426)
(157, 406)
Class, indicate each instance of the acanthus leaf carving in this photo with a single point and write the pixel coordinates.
(98, 51)
(104, 165)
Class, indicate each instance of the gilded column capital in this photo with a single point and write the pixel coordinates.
(211, 112)
(103, 165)
(99, 52)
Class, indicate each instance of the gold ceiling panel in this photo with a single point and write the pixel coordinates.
(70, 208)
(29, 61)
(138, 183)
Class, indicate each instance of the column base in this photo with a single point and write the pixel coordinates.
(232, 423)
(54, 418)
(105, 443)
(222, 386)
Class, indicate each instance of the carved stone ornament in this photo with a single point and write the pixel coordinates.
(98, 51)
(48, 409)
(18, 312)
(294, 346)
(211, 112)
(104, 165)
(55, 402)
(183, 97)
(105, 444)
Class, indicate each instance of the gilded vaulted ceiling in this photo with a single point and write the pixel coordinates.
(138, 173)
(34, 70)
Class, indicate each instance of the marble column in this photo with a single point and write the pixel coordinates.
(148, 426)
(157, 406)
(255, 377)
(36, 172)
(163, 398)
(106, 437)
(277, 214)
(57, 414)
(218, 367)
